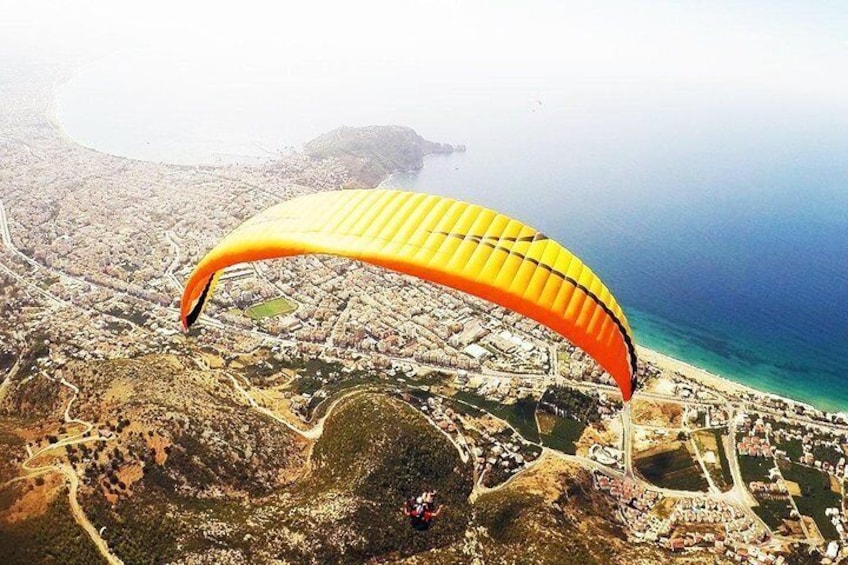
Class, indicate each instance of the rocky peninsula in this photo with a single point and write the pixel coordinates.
(372, 153)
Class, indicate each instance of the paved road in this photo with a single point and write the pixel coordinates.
(5, 235)
(4, 386)
(28, 286)
(6, 238)
(175, 248)
(627, 439)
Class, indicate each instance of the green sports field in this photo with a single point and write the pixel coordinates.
(273, 307)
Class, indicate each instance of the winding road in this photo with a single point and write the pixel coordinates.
(71, 479)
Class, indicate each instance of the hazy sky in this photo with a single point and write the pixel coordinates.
(799, 47)
(433, 65)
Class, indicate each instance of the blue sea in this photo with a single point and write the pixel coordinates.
(731, 256)
(717, 213)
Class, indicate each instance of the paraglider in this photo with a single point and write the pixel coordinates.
(422, 510)
(445, 241)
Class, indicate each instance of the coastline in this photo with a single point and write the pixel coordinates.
(723, 384)
(672, 364)
(657, 358)
(669, 363)
(736, 380)
(59, 88)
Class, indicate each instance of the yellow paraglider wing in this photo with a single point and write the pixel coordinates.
(445, 241)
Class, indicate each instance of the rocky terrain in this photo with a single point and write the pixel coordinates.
(185, 471)
(374, 152)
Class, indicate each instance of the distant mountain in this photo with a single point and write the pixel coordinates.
(374, 152)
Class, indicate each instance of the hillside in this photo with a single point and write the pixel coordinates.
(552, 512)
(372, 153)
(151, 439)
(183, 471)
(177, 466)
(375, 453)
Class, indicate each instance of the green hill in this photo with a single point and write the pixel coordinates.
(376, 452)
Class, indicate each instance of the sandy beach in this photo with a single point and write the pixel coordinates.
(719, 383)
(691, 371)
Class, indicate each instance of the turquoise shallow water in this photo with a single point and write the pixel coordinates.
(699, 349)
